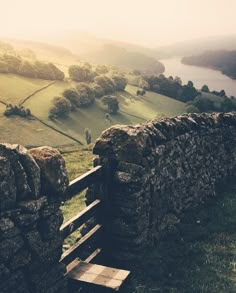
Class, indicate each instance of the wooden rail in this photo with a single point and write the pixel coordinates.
(78, 247)
(84, 271)
(78, 220)
(76, 186)
(82, 182)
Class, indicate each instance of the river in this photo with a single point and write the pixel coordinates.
(200, 76)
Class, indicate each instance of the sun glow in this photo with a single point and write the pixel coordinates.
(149, 22)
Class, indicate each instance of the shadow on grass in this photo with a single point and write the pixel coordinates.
(199, 256)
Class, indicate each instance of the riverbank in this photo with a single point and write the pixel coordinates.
(200, 76)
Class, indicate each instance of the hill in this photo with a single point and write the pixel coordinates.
(225, 61)
(43, 50)
(133, 110)
(128, 60)
(104, 51)
(197, 46)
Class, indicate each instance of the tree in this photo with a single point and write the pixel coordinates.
(205, 89)
(106, 83)
(156, 88)
(120, 82)
(17, 110)
(178, 80)
(27, 69)
(58, 74)
(60, 107)
(12, 62)
(88, 135)
(102, 69)
(86, 94)
(222, 93)
(112, 104)
(188, 93)
(203, 104)
(98, 90)
(192, 109)
(143, 92)
(3, 67)
(190, 83)
(73, 96)
(80, 73)
(144, 84)
(108, 117)
(44, 71)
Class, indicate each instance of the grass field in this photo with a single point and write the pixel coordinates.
(93, 117)
(13, 88)
(29, 133)
(133, 110)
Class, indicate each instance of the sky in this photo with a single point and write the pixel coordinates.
(145, 22)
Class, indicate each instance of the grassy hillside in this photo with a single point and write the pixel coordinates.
(29, 132)
(133, 110)
(13, 88)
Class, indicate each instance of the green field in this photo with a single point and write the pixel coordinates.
(14, 88)
(133, 110)
(29, 133)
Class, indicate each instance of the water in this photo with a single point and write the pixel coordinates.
(200, 76)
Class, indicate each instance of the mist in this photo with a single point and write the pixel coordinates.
(150, 23)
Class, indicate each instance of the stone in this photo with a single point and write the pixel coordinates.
(7, 185)
(23, 189)
(8, 247)
(27, 220)
(33, 206)
(4, 272)
(5, 224)
(20, 259)
(161, 169)
(49, 227)
(15, 283)
(54, 178)
(45, 252)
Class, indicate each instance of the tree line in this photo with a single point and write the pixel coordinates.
(33, 69)
(202, 100)
(225, 61)
(90, 86)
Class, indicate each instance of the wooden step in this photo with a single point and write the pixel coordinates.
(98, 275)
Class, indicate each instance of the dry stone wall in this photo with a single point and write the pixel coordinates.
(31, 183)
(161, 169)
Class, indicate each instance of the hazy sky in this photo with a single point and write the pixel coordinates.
(147, 22)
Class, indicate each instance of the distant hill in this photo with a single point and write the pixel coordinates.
(118, 56)
(197, 46)
(43, 50)
(103, 51)
(225, 61)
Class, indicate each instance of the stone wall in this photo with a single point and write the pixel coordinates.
(31, 184)
(160, 169)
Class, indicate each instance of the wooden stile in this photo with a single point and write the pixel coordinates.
(84, 271)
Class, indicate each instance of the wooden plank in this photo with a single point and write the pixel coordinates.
(93, 255)
(82, 182)
(71, 265)
(99, 275)
(78, 220)
(69, 255)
